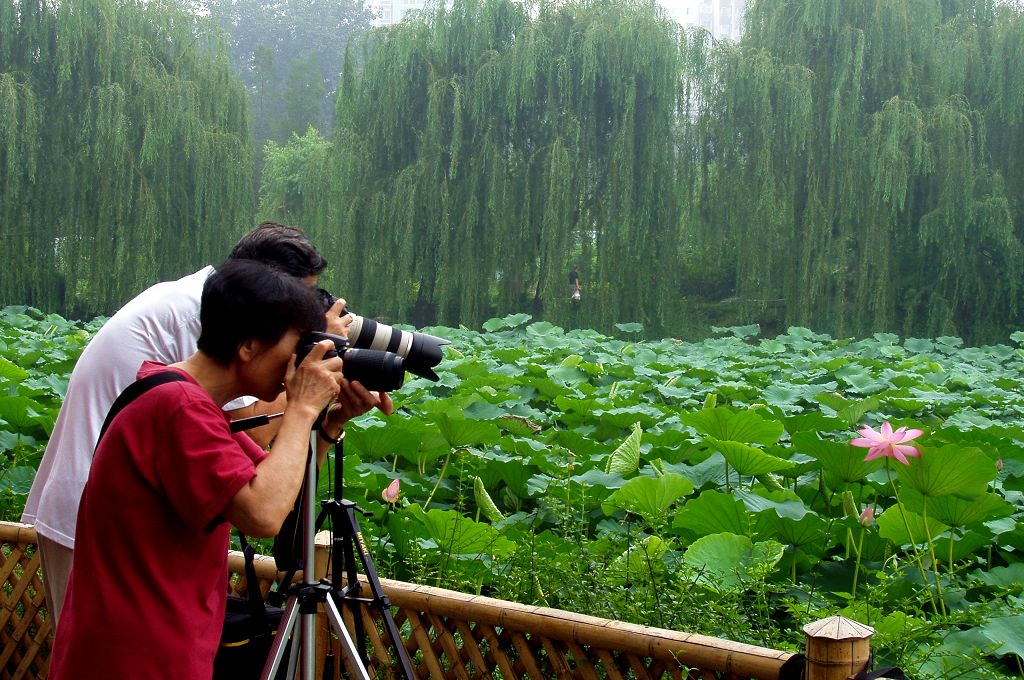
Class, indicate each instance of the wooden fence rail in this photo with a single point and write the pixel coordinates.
(451, 635)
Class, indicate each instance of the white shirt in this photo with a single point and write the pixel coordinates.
(160, 324)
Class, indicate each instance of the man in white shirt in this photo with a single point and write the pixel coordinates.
(160, 324)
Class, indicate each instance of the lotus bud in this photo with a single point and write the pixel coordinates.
(390, 493)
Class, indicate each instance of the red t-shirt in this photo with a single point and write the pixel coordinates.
(147, 591)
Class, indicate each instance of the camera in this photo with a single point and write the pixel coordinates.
(378, 371)
(420, 351)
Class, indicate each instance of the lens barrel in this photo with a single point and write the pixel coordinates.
(378, 371)
(421, 351)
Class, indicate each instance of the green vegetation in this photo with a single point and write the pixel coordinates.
(696, 486)
(289, 55)
(37, 353)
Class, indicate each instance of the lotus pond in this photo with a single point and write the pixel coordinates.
(709, 486)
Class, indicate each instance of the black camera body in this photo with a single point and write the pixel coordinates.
(375, 370)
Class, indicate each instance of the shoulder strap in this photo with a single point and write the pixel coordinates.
(256, 606)
(134, 391)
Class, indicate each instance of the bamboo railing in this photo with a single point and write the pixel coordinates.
(450, 635)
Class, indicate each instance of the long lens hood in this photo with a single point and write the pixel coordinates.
(375, 370)
(424, 355)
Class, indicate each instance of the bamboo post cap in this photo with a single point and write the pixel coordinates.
(838, 628)
(837, 648)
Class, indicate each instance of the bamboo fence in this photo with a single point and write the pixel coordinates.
(451, 635)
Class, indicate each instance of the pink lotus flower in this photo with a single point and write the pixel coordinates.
(999, 465)
(885, 442)
(867, 518)
(390, 493)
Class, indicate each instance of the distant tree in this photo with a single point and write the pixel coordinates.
(124, 151)
(478, 152)
(850, 165)
(303, 97)
(862, 157)
(290, 172)
(289, 54)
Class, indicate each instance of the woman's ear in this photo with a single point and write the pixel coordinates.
(248, 350)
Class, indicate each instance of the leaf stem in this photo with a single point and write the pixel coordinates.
(856, 566)
(935, 562)
(910, 535)
(444, 468)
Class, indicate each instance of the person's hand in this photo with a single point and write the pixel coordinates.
(315, 382)
(337, 322)
(354, 400)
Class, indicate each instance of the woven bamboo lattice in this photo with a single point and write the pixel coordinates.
(448, 635)
(24, 626)
(458, 636)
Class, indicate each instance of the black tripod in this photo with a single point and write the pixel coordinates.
(304, 598)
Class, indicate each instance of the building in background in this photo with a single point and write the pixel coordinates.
(721, 18)
(392, 11)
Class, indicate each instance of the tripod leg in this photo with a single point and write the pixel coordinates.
(348, 647)
(380, 600)
(302, 602)
(284, 631)
(308, 645)
(352, 588)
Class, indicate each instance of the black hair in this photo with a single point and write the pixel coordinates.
(248, 300)
(282, 246)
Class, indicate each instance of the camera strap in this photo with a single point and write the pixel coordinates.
(133, 392)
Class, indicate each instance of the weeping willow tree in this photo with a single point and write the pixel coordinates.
(852, 166)
(479, 153)
(858, 179)
(124, 152)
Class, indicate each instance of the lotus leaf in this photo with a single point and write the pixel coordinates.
(725, 424)
(748, 460)
(714, 512)
(891, 525)
(950, 470)
(649, 497)
(726, 561)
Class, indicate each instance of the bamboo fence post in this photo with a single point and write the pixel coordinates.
(837, 648)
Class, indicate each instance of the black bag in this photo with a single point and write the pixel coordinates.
(250, 627)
